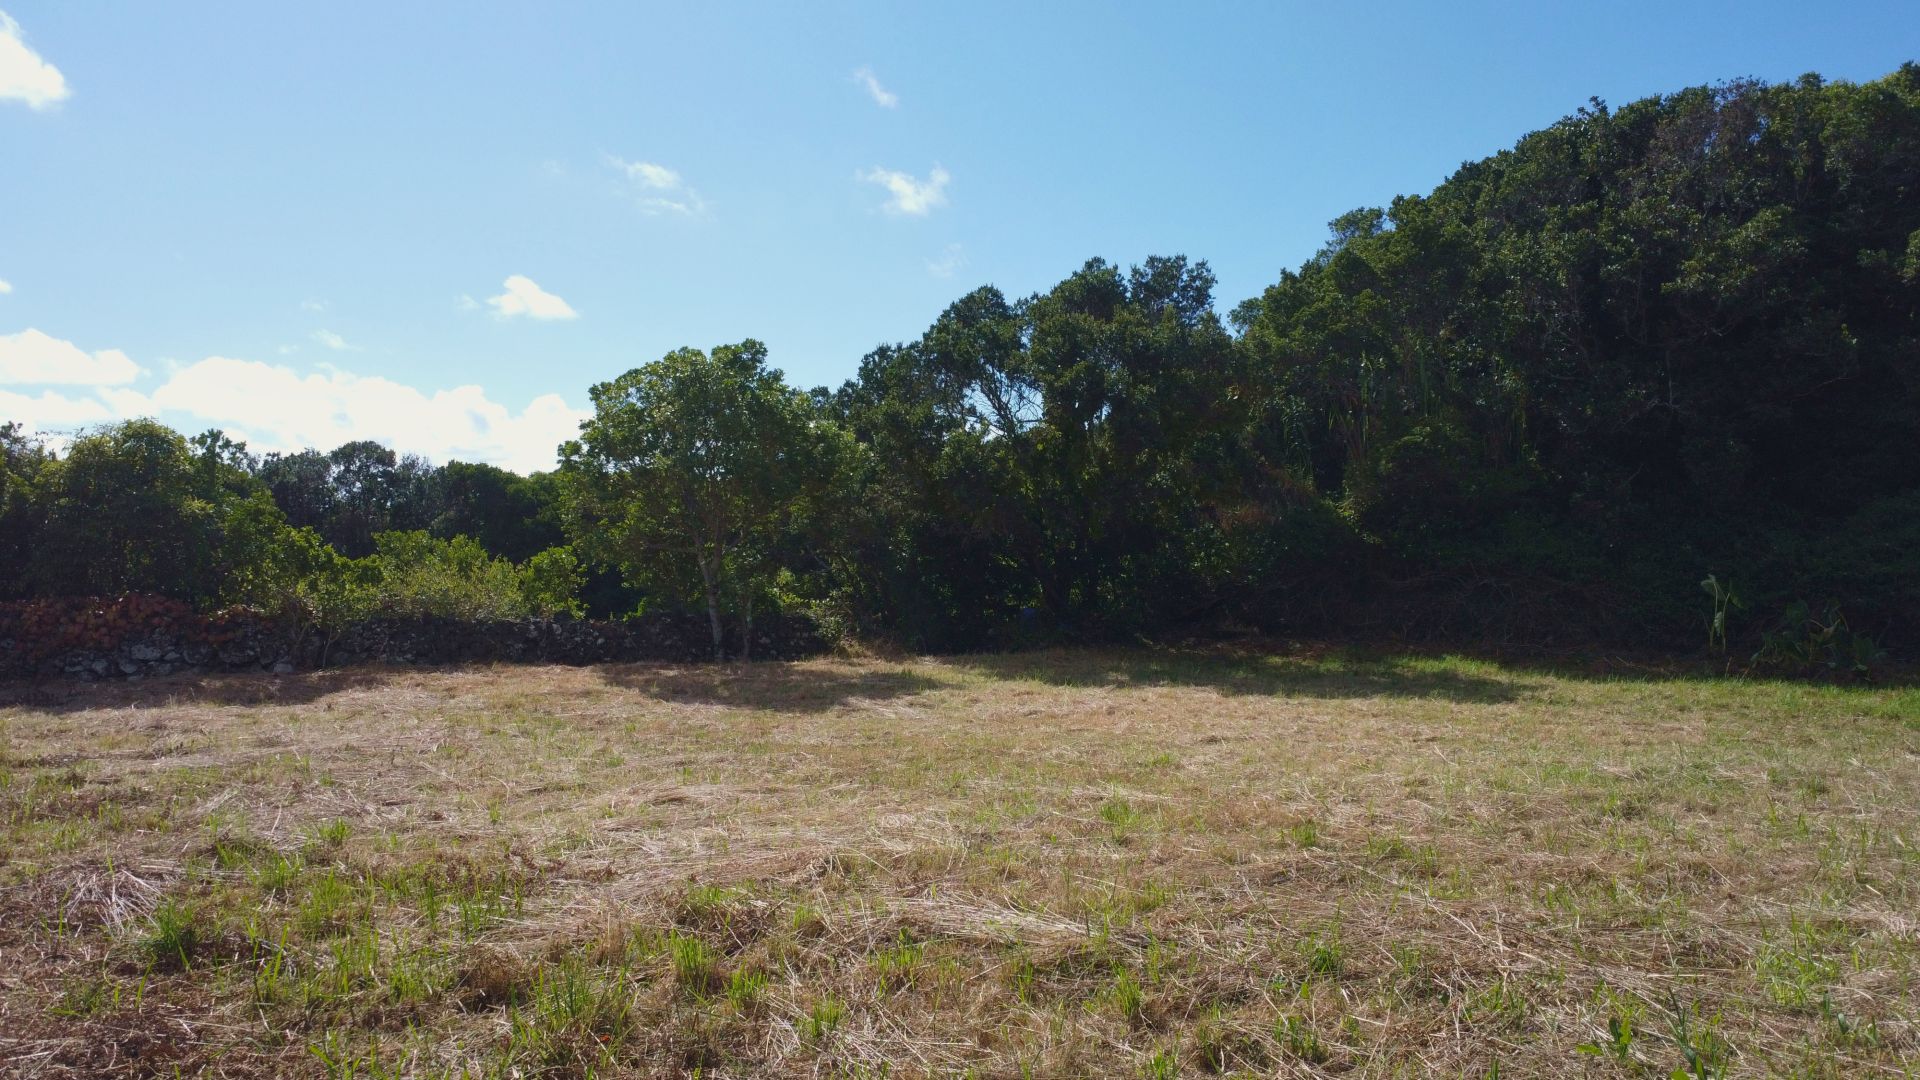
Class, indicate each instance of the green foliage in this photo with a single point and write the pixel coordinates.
(550, 582)
(417, 575)
(744, 987)
(1725, 601)
(1805, 643)
(1526, 407)
(124, 512)
(1298, 1039)
(694, 474)
(172, 935)
(820, 1022)
(694, 962)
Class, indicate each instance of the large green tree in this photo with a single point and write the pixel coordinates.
(692, 474)
(128, 509)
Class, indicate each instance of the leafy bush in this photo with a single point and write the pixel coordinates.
(1808, 644)
(550, 582)
(416, 575)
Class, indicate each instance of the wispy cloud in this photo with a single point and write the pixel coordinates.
(311, 304)
(907, 194)
(523, 297)
(24, 76)
(36, 358)
(950, 261)
(5, 286)
(334, 341)
(881, 96)
(658, 189)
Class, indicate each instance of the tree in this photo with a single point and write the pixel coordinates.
(23, 463)
(692, 471)
(512, 515)
(122, 515)
(1067, 454)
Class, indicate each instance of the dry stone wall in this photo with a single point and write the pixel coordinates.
(137, 637)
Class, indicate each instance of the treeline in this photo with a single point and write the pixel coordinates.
(1649, 378)
(137, 508)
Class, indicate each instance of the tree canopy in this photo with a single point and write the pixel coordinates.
(1646, 349)
(691, 473)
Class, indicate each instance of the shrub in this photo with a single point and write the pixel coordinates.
(550, 582)
(1807, 644)
(416, 575)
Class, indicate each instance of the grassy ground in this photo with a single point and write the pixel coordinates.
(1059, 864)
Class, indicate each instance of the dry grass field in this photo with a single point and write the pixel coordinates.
(1098, 863)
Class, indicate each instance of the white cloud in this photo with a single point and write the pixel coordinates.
(273, 407)
(523, 297)
(910, 196)
(313, 305)
(881, 96)
(658, 189)
(23, 75)
(52, 411)
(5, 286)
(337, 343)
(33, 357)
(951, 259)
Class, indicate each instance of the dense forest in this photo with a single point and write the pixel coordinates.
(1649, 379)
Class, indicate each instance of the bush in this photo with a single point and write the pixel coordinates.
(416, 575)
(1805, 643)
(550, 583)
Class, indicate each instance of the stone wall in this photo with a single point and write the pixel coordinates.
(139, 637)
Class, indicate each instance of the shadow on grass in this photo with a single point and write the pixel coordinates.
(234, 688)
(773, 686)
(1336, 675)
(782, 687)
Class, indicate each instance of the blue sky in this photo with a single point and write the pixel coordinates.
(437, 224)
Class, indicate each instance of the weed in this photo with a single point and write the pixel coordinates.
(806, 920)
(1326, 957)
(572, 1018)
(1121, 818)
(333, 834)
(1022, 979)
(744, 987)
(1298, 1039)
(172, 936)
(898, 965)
(1793, 973)
(324, 911)
(694, 962)
(275, 873)
(1163, 1065)
(820, 1022)
(1848, 1030)
(1498, 1004)
(1703, 1052)
(1623, 1018)
(1126, 996)
(1216, 1045)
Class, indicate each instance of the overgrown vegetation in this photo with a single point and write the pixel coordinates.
(1055, 863)
(1536, 407)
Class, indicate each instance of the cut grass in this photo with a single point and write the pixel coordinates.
(1075, 863)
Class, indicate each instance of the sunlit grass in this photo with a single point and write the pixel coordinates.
(1057, 863)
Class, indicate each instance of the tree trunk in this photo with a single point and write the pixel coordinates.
(713, 610)
(746, 627)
